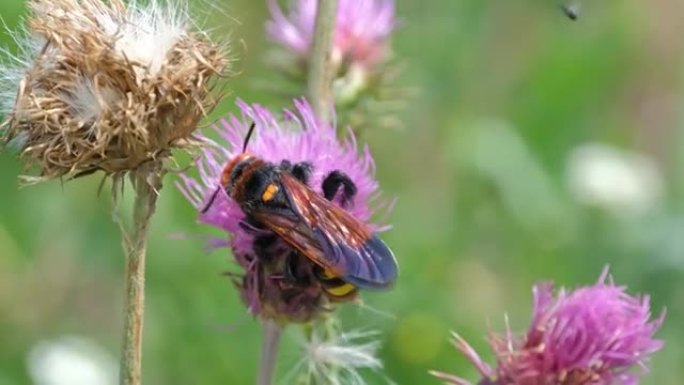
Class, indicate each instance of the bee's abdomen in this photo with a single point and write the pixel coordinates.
(335, 287)
(338, 289)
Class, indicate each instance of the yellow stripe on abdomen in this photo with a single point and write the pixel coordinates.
(341, 290)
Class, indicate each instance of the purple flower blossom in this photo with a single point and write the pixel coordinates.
(361, 34)
(593, 335)
(297, 137)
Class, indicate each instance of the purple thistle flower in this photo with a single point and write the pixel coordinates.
(297, 137)
(593, 335)
(361, 34)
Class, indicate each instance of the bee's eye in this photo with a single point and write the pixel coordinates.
(225, 176)
(233, 174)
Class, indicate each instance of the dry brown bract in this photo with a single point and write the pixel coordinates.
(109, 86)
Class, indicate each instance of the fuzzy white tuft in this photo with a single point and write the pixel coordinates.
(88, 100)
(338, 360)
(14, 66)
(148, 32)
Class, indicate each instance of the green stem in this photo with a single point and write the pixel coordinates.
(269, 352)
(146, 183)
(320, 58)
(319, 85)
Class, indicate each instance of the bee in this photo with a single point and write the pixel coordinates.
(346, 253)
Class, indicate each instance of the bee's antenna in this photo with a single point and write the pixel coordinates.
(218, 189)
(211, 200)
(249, 135)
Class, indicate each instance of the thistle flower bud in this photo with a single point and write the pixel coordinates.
(361, 56)
(594, 335)
(299, 137)
(362, 31)
(105, 85)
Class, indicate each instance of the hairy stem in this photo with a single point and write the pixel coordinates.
(146, 183)
(320, 60)
(269, 352)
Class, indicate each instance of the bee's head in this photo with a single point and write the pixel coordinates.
(232, 170)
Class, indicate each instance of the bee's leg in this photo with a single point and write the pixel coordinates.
(252, 226)
(302, 170)
(295, 271)
(291, 268)
(333, 182)
(285, 165)
(265, 246)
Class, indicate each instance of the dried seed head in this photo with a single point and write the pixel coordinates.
(107, 86)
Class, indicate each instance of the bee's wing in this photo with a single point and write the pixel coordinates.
(370, 265)
(336, 240)
(287, 224)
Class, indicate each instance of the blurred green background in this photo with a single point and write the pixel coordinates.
(489, 201)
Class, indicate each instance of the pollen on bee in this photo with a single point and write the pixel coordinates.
(269, 192)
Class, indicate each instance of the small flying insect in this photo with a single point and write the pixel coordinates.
(276, 197)
(571, 9)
